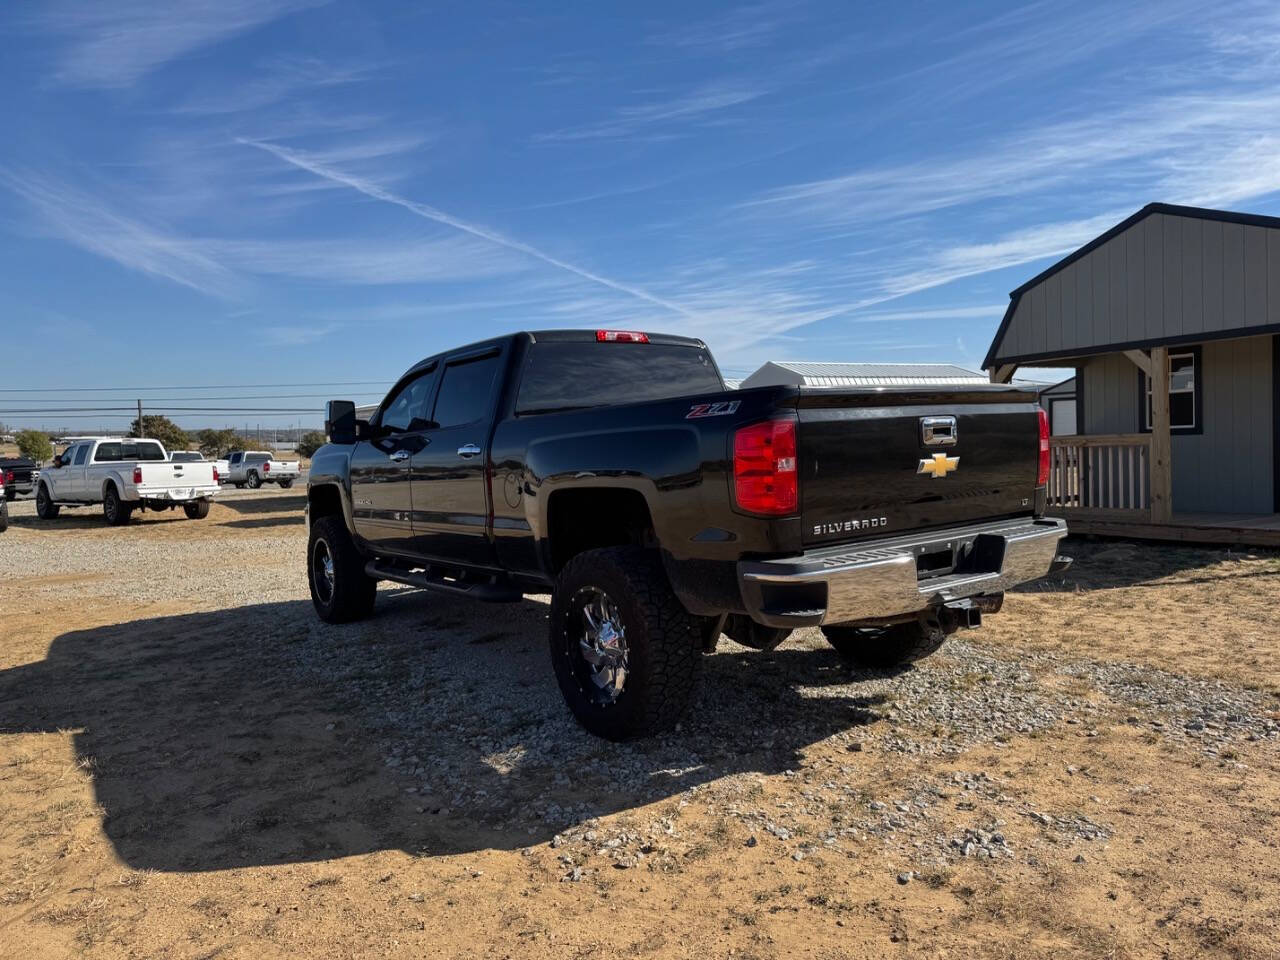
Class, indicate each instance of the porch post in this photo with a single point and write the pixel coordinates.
(1161, 445)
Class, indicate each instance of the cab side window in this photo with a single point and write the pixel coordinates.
(406, 410)
(82, 451)
(465, 391)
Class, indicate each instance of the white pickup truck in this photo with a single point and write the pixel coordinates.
(195, 456)
(123, 474)
(253, 468)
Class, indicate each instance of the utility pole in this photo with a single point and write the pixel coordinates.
(142, 431)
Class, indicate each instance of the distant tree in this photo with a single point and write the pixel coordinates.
(34, 445)
(217, 443)
(310, 442)
(163, 429)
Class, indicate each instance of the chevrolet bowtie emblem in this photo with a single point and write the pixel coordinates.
(939, 465)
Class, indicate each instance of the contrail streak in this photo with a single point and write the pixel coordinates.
(370, 189)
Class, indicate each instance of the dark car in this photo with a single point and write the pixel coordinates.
(614, 470)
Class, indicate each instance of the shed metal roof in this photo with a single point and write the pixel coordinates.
(801, 373)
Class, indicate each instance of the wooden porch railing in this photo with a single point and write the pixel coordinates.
(1104, 474)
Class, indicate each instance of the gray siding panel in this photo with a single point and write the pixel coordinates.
(1101, 325)
(1232, 275)
(1171, 275)
(1068, 334)
(1153, 277)
(1115, 291)
(1053, 313)
(1255, 276)
(1110, 395)
(1192, 275)
(1273, 276)
(1037, 339)
(1135, 285)
(1227, 469)
(1213, 277)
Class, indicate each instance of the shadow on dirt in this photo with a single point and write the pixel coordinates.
(290, 520)
(91, 518)
(1108, 564)
(266, 503)
(260, 736)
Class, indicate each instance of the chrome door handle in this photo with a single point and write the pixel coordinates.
(400, 455)
(468, 450)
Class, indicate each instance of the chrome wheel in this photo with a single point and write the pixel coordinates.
(602, 642)
(322, 576)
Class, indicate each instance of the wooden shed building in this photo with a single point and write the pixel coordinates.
(1171, 320)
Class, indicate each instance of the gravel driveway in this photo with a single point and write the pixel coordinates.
(191, 764)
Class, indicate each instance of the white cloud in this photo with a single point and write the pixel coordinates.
(697, 104)
(753, 25)
(278, 80)
(362, 262)
(84, 220)
(296, 335)
(375, 191)
(113, 43)
(1020, 246)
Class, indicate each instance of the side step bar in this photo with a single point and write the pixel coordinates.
(475, 586)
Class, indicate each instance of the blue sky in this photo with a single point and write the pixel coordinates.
(294, 191)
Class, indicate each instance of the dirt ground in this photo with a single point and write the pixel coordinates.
(192, 766)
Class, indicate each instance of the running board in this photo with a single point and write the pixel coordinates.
(491, 589)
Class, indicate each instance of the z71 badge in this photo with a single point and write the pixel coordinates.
(719, 409)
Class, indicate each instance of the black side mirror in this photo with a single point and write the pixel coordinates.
(340, 421)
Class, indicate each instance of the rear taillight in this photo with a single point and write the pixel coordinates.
(764, 468)
(621, 336)
(137, 475)
(266, 467)
(1042, 477)
(216, 478)
(8, 476)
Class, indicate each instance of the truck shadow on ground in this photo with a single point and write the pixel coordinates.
(90, 518)
(265, 502)
(259, 736)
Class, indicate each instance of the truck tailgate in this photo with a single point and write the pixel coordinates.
(861, 453)
(164, 474)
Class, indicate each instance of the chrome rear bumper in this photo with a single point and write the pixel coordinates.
(883, 580)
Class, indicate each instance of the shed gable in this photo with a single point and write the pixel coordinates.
(1164, 275)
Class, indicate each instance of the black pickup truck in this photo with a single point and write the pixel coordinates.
(19, 475)
(660, 509)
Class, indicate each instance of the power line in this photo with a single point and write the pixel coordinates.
(263, 396)
(50, 411)
(183, 386)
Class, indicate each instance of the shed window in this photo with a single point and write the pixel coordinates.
(1184, 392)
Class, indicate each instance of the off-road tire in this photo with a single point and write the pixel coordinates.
(286, 484)
(352, 593)
(116, 511)
(890, 646)
(196, 509)
(740, 628)
(253, 480)
(46, 509)
(664, 643)
(4, 515)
